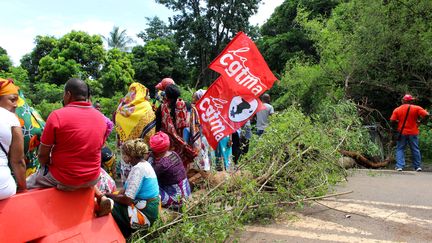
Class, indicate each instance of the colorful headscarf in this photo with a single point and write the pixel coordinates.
(134, 116)
(160, 142)
(108, 161)
(7, 87)
(32, 126)
(164, 83)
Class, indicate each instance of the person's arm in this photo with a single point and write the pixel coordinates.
(424, 116)
(110, 126)
(16, 158)
(48, 139)
(120, 198)
(44, 154)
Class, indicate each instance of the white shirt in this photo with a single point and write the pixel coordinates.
(7, 121)
(262, 117)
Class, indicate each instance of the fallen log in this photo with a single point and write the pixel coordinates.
(363, 161)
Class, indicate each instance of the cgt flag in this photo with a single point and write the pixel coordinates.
(243, 67)
(223, 111)
(234, 97)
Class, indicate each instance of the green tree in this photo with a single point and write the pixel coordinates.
(377, 51)
(370, 51)
(76, 54)
(157, 59)
(43, 47)
(20, 77)
(203, 28)
(157, 29)
(118, 39)
(86, 50)
(283, 38)
(57, 70)
(117, 72)
(5, 62)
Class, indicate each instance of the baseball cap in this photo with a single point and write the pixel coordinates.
(408, 97)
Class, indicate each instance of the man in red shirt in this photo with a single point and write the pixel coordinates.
(71, 143)
(405, 119)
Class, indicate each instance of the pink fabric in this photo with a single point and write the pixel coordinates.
(164, 83)
(160, 142)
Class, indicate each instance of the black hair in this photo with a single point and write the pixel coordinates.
(265, 98)
(79, 89)
(172, 93)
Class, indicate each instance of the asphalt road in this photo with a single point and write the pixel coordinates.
(385, 206)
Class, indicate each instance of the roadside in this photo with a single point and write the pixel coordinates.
(385, 206)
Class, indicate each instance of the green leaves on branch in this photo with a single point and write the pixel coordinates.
(117, 72)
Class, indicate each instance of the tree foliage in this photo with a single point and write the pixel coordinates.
(157, 29)
(117, 72)
(5, 62)
(76, 54)
(378, 50)
(283, 38)
(157, 59)
(203, 28)
(118, 39)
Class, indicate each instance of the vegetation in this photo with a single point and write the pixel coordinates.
(341, 65)
(118, 39)
(294, 160)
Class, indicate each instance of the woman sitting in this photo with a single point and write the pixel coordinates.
(137, 205)
(173, 184)
(11, 142)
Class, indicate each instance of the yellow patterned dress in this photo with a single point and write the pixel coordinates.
(134, 118)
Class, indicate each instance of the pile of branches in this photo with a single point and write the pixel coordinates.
(293, 162)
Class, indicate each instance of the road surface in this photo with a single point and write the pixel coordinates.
(385, 206)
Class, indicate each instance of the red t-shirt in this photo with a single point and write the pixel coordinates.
(411, 127)
(77, 134)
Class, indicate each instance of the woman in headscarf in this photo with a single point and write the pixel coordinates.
(137, 205)
(11, 142)
(172, 118)
(174, 186)
(195, 137)
(134, 118)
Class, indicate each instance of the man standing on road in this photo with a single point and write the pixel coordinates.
(405, 120)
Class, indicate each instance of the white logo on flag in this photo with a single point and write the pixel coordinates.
(240, 110)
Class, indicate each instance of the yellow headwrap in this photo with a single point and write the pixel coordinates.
(7, 87)
(133, 114)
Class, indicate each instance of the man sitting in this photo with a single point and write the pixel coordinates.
(70, 150)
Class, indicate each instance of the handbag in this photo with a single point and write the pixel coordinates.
(398, 134)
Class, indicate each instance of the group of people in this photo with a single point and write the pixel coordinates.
(159, 141)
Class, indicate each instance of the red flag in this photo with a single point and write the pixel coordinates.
(222, 111)
(242, 66)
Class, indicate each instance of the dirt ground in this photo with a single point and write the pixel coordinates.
(384, 206)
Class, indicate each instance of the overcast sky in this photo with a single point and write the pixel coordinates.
(23, 20)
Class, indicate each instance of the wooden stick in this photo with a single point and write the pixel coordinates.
(277, 172)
